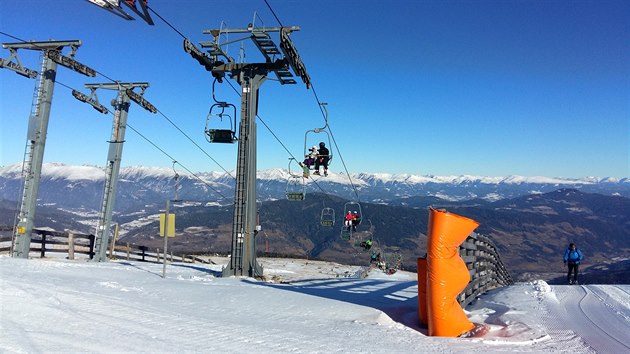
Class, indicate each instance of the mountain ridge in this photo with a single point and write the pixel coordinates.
(92, 172)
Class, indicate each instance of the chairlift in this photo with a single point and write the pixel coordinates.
(391, 260)
(216, 135)
(177, 183)
(218, 111)
(362, 233)
(346, 230)
(296, 188)
(328, 217)
(311, 137)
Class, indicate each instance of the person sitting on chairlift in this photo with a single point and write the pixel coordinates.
(348, 220)
(309, 160)
(356, 220)
(322, 159)
(367, 244)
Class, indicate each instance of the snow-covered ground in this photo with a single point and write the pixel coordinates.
(55, 305)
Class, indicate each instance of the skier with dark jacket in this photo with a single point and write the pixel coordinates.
(322, 159)
(572, 257)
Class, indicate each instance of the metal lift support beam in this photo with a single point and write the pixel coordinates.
(250, 76)
(243, 261)
(35, 141)
(114, 157)
(17, 65)
(114, 7)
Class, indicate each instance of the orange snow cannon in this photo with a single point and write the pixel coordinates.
(422, 291)
(447, 273)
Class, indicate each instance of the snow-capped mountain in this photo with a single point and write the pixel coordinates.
(81, 186)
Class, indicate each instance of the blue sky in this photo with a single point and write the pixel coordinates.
(496, 88)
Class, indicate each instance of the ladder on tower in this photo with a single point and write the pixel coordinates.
(103, 213)
(269, 50)
(27, 162)
(241, 180)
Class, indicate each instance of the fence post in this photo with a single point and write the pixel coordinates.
(92, 238)
(70, 245)
(127, 250)
(43, 248)
(114, 238)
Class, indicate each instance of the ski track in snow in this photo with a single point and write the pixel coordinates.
(594, 315)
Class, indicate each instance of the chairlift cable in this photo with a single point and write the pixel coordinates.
(325, 120)
(197, 145)
(274, 13)
(336, 145)
(238, 93)
(264, 123)
(173, 159)
(319, 104)
(164, 152)
(42, 48)
(281, 143)
(167, 23)
(161, 113)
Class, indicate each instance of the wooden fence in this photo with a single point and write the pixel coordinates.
(486, 269)
(75, 245)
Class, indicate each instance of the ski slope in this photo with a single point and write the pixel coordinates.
(598, 314)
(311, 307)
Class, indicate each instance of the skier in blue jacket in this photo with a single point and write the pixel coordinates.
(572, 257)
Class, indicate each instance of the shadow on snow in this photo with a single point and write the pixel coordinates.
(397, 299)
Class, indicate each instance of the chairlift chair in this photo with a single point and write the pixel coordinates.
(362, 233)
(296, 188)
(222, 135)
(312, 141)
(357, 238)
(328, 217)
(346, 233)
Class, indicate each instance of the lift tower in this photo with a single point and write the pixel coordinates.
(121, 105)
(250, 77)
(38, 126)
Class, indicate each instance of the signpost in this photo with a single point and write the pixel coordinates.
(167, 229)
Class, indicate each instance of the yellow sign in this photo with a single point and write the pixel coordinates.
(171, 225)
(21, 230)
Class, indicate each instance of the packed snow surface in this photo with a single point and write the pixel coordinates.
(53, 305)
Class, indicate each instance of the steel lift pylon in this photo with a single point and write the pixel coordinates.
(250, 77)
(37, 126)
(121, 105)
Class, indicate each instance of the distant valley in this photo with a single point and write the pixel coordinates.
(530, 221)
